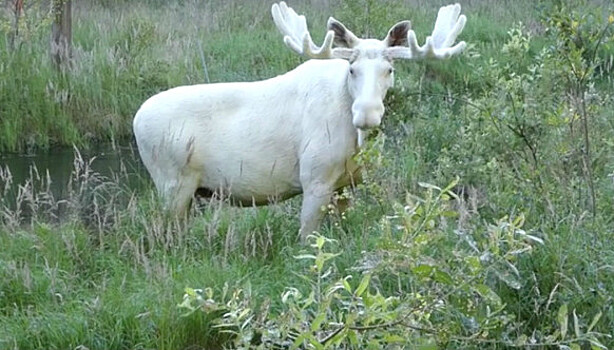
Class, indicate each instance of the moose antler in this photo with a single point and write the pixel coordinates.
(438, 45)
(296, 34)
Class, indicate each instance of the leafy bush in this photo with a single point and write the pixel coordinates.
(426, 286)
(440, 277)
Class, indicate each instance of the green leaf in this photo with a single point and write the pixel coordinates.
(443, 277)
(338, 338)
(576, 325)
(346, 284)
(594, 321)
(521, 340)
(352, 337)
(320, 240)
(451, 185)
(368, 299)
(488, 294)
(315, 343)
(428, 346)
(244, 313)
(422, 270)
(596, 345)
(575, 346)
(562, 320)
(374, 344)
(429, 186)
(449, 214)
(305, 256)
(507, 273)
(298, 341)
(519, 221)
(328, 256)
(473, 262)
(363, 285)
(317, 322)
(319, 263)
(393, 338)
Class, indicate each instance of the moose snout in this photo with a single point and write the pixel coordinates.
(367, 115)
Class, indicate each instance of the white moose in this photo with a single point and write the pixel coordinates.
(262, 141)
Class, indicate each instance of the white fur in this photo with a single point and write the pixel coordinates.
(269, 140)
(258, 141)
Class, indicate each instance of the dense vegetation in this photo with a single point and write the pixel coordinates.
(485, 221)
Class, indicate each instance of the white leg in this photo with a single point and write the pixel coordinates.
(314, 199)
(177, 196)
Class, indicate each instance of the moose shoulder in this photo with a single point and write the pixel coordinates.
(296, 133)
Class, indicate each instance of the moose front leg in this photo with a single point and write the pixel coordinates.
(315, 198)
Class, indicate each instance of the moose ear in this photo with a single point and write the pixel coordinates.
(397, 35)
(343, 37)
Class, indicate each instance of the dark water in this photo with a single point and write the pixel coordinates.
(113, 162)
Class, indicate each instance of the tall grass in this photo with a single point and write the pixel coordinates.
(126, 52)
(102, 268)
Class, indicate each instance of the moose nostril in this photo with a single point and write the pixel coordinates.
(367, 114)
(367, 120)
(367, 124)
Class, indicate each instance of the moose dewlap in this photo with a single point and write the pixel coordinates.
(296, 133)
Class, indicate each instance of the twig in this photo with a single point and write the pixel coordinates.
(202, 59)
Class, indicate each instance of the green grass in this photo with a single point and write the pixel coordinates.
(110, 273)
(145, 48)
(117, 284)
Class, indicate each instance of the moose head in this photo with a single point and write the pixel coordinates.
(370, 69)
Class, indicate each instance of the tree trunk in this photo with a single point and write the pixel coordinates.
(61, 33)
(17, 12)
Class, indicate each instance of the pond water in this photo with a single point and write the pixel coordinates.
(116, 162)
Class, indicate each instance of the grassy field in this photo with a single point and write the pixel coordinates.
(518, 254)
(146, 47)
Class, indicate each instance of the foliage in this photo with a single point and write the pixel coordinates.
(537, 114)
(444, 297)
(367, 18)
(24, 20)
